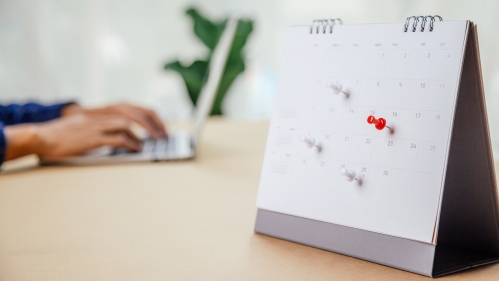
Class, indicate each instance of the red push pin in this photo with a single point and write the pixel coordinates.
(380, 123)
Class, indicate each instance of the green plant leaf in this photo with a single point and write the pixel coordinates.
(233, 68)
(208, 32)
(193, 76)
(244, 29)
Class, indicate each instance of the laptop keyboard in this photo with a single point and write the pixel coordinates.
(159, 147)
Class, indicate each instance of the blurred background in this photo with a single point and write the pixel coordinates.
(104, 51)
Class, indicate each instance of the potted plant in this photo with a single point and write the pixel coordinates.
(195, 74)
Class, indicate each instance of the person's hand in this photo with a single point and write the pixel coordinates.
(143, 116)
(73, 135)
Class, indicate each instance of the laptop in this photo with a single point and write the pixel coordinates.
(181, 144)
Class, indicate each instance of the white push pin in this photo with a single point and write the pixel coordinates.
(336, 87)
(309, 141)
(348, 174)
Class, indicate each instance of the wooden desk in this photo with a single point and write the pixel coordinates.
(163, 221)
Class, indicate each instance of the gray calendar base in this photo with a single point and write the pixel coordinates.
(409, 255)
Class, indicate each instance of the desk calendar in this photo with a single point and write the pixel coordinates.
(379, 146)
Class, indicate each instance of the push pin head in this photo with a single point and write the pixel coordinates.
(349, 175)
(379, 123)
(309, 141)
(336, 87)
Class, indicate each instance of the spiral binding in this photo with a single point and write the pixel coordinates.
(324, 25)
(424, 20)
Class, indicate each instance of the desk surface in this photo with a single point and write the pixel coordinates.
(188, 220)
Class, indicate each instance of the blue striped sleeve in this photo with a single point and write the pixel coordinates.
(30, 113)
(3, 146)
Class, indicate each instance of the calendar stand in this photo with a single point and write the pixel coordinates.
(468, 232)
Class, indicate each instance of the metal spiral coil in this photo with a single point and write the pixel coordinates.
(433, 21)
(424, 20)
(324, 25)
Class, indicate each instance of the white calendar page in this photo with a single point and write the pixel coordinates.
(409, 78)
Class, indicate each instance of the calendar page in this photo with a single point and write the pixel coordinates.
(361, 127)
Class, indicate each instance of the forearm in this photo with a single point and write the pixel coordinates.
(72, 109)
(20, 140)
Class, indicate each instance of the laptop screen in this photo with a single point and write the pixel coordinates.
(215, 72)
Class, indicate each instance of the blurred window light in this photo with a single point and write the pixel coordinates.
(113, 49)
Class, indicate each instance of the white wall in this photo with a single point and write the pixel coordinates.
(105, 51)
